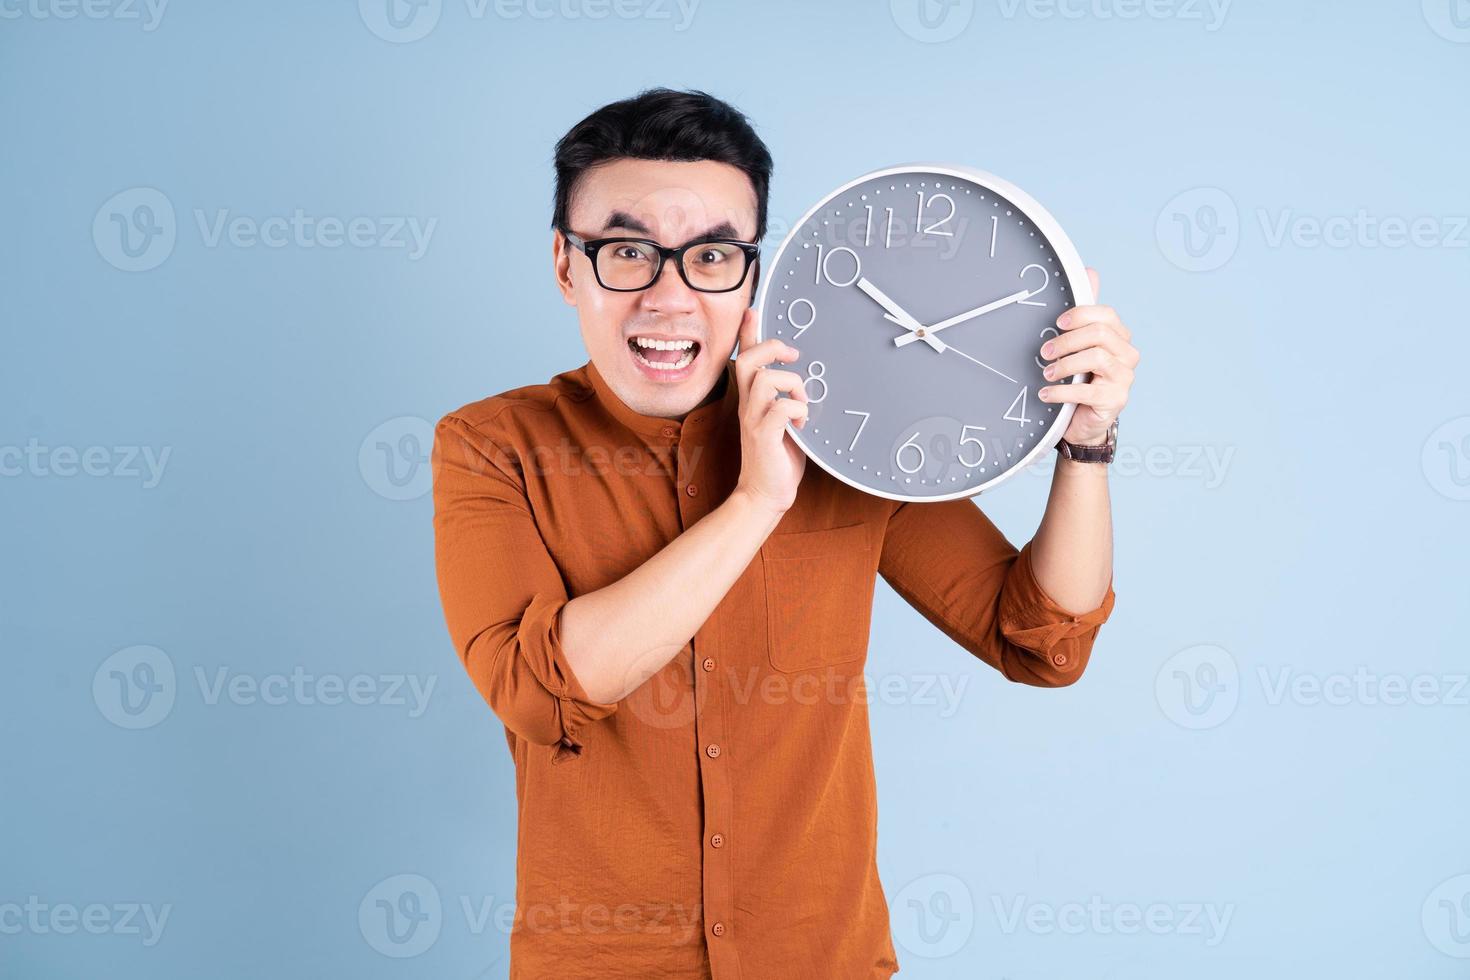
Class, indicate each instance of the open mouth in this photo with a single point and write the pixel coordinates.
(663, 356)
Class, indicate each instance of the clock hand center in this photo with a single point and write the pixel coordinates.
(899, 315)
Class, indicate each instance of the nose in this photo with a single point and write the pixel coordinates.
(669, 294)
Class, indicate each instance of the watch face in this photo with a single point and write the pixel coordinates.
(919, 298)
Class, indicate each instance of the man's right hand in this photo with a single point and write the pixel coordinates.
(771, 463)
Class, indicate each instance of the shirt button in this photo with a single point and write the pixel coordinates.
(692, 490)
(717, 840)
(709, 663)
(667, 430)
(712, 750)
(718, 928)
(1060, 659)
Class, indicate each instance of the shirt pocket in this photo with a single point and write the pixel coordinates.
(819, 596)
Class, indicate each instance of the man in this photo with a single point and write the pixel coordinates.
(669, 610)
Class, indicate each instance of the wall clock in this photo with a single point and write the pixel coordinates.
(919, 297)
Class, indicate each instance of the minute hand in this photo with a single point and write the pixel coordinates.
(912, 336)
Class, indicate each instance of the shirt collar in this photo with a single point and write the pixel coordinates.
(701, 420)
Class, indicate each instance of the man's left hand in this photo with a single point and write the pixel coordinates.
(1092, 338)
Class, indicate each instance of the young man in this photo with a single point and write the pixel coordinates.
(669, 610)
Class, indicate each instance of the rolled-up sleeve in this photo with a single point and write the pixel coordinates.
(502, 592)
(951, 563)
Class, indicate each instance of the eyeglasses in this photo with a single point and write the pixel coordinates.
(626, 265)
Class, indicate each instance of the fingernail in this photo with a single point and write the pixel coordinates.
(1044, 394)
(1064, 319)
(1047, 348)
(1050, 372)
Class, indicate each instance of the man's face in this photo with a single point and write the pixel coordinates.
(670, 203)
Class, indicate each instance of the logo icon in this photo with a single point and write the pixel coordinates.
(932, 21)
(1450, 19)
(400, 21)
(401, 916)
(933, 916)
(1446, 917)
(1199, 229)
(1198, 687)
(394, 458)
(1446, 459)
(135, 230)
(135, 687)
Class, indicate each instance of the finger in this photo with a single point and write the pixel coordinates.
(770, 381)
(1080, 316)
(1092, 335)
(1094, 359)
(749, 363)
(1092, 278)
(1101, 395)
(783, 410)
(749, 329)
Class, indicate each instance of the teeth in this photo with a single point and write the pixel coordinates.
(666, 366)
(663, 344)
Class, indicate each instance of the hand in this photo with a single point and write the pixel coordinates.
(1092, 339)
(771, 463)
(898, 314)
(911, 336)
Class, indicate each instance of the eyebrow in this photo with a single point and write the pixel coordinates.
(626, 222)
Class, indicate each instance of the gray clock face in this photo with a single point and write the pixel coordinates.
(919, 300)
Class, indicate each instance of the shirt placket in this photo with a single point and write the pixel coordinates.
(694, 496)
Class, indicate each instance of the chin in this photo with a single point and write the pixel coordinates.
(666, 375)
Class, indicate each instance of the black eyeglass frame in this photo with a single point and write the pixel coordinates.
(590, 247)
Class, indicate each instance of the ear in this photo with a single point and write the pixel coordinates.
(561, 261)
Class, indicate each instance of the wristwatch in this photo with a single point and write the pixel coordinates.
(1092, 454)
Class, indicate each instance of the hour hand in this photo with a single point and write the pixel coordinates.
(898, 315)
(911, 336)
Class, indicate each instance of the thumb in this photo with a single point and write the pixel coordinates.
(1092, 278)
(747, 336)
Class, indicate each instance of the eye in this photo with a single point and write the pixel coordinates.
(629, 253)
(711, 256)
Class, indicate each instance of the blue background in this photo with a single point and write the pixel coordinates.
(1330, 540)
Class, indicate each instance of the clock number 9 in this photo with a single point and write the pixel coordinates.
(791, 316)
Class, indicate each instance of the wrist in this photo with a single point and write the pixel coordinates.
(757, 506)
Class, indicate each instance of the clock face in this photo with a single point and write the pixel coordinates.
(919, 298)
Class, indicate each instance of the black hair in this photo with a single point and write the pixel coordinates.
(663, 124)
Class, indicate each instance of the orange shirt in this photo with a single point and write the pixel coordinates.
(721, 820)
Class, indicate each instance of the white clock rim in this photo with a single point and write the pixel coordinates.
(1072, 267)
